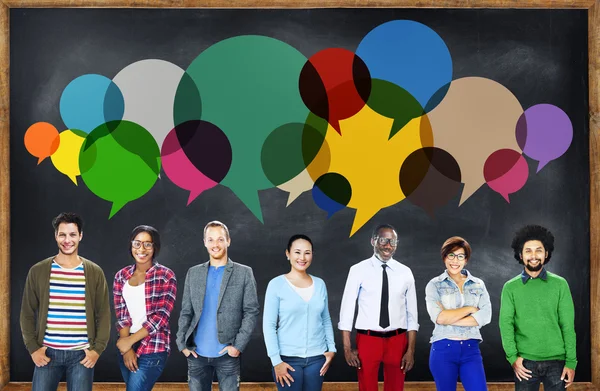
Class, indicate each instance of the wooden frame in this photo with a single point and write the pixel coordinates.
(593, 9)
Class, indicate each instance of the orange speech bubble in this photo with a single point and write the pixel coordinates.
(41, 140)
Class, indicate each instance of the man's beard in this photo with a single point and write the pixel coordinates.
(534, 268)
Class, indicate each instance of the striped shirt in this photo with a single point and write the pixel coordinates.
(66, 327)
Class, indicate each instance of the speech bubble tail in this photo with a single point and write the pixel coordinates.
(336, 125)
(540, 166)
(431, 213)
(116, 206)
(73, 178)
(467, 192)
(193, 195)
(250, 199)
(292, 197)
(361, 217)
(41, 159)
(505, 196)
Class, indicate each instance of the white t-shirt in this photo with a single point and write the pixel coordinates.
(305, 293)
(135, 298)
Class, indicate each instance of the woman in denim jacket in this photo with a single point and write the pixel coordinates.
(459, 305)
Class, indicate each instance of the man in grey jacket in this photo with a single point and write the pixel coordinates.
(218, 314)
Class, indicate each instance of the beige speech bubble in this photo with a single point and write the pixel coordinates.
(477, 117)
(305, 180)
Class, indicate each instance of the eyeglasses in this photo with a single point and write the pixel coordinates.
(138, 244)
(384, 241)
(461, 257)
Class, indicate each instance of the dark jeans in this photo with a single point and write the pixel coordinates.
(150, 366)
(450, 359)
(201, 371)
(547, 372)
(306, 376)
(63, 362)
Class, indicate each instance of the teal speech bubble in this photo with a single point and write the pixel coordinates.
(248, 87)
(119, 162)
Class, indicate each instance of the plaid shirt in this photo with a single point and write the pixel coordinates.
(161, 291)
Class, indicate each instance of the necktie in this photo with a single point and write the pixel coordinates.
(384, 315)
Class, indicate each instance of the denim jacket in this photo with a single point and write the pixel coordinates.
(443, 289)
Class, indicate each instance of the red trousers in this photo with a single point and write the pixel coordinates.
(372, 351)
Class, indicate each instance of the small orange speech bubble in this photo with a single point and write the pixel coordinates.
(41, 140)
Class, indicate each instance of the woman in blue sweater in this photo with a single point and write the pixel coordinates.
(296, 323)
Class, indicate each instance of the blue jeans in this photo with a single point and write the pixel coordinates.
(63, 362)
(150, 366)
(547, 372)
(306, 373)
(450, 359)
(201, 371)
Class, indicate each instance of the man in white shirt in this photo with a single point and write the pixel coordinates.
(387, 321)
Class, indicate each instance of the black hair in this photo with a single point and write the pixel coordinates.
(68, 218)
(297, 237)
(380, 227)
(153, 232)
(532, 232)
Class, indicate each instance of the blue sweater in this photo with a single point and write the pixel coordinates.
(293, 327)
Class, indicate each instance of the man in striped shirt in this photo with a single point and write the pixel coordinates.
(65, 313)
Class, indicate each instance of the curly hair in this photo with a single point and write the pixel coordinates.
(532, 232)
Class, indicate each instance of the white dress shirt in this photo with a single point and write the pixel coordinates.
(364, 282)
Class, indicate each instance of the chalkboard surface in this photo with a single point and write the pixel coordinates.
(539, 55)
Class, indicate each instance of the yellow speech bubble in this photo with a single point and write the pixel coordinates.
(66, 157)
(476, 118)
(370, 161)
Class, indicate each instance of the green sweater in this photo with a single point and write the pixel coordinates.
(537, 320)
(36, 299)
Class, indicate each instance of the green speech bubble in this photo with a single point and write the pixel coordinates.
(119, 162)
(249, 87)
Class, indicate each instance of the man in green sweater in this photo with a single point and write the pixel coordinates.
(537, 317)
(65, 312)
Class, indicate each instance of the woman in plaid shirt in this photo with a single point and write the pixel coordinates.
(144, 295)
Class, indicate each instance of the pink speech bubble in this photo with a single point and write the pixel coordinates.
(505, 172)
(180, 170)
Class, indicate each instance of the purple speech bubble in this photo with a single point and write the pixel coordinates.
(544, 133)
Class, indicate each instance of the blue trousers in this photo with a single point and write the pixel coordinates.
(450, 359)
(547, 372)
(63, 362)
(150, 366)
(306, 373)
(201, 371)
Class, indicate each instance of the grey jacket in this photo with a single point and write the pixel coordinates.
(237, 307)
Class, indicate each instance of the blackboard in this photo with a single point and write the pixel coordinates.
(539, 55)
